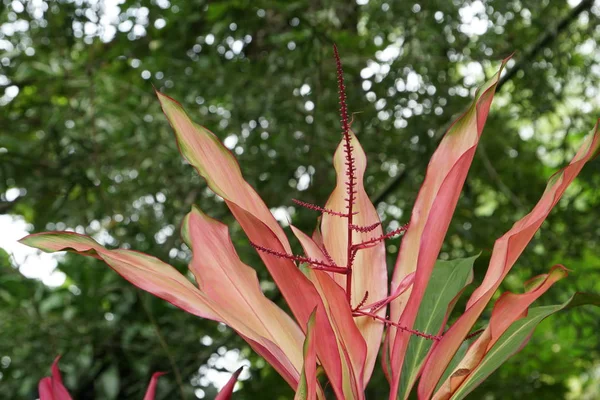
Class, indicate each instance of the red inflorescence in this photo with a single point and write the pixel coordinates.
(350, 168)
(368, 243)
(319, 208)
(315, 264)
(397, 325)
(353, 249)
(364, 229)
(362, 302)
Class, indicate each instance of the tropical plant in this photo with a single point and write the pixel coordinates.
(338, 290)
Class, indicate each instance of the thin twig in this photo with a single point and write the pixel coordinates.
(164, 345)
(496, 177)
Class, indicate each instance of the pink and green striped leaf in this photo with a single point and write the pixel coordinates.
(504, 255)
(431, 217)
(515, 338)
(508, 308)
(448, 280)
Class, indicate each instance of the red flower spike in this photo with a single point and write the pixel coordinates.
(365, 229)
(404, 285)
(398, 326)
(326, 254)
(362, 302)
(321, 209)
(350, 170)
(475, 333)
(369, 243)
(314, 264)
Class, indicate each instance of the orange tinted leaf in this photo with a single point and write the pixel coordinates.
(146, 272)
(162, 280)
(215, 163)
(234, 286)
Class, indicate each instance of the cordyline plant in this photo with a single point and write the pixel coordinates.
(338, 291)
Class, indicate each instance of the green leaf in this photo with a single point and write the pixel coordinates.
(515, 338)
(307, 386)
(447, 281)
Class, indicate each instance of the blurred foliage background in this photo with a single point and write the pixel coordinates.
(83, 145)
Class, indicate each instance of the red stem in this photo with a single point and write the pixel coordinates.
(350, 182)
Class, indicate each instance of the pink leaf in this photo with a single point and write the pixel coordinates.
(151, 391)
(215, 163)
(52, 388)
(308, 386)
(146, 272)
(162, 280)
(234, 286)
(220, 169)
(508, 308)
